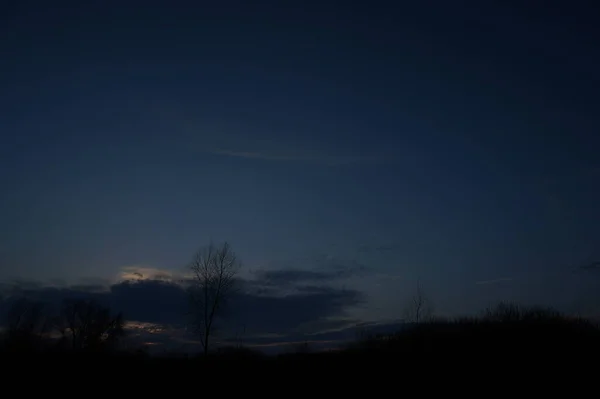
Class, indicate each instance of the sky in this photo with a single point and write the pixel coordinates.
(348, 151)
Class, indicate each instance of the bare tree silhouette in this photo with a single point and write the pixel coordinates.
(26, 323)
(213, 276)
(88, 325)
(419, 308)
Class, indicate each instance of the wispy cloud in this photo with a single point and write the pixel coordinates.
(593, 266)
(301, 157)
(494, 281)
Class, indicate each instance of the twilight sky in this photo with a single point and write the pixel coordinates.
(344, 149)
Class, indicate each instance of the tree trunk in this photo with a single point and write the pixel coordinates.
(206, 343)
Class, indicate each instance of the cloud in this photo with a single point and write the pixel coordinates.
(156, 307)
(377, 249)
(494, 281)
(344, 332)
(145, 273)
(331, 160)
(310, 308)
(294, 280)
(295, 276)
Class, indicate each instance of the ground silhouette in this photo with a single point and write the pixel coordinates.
(504, 343)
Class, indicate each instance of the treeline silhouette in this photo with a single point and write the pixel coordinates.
(79, 336)
(77, 326)
(85, 330)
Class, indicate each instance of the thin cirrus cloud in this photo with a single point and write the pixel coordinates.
(583, 268)
(494, 281)
(306, 157)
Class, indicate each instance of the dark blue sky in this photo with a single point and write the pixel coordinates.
(451, 142)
